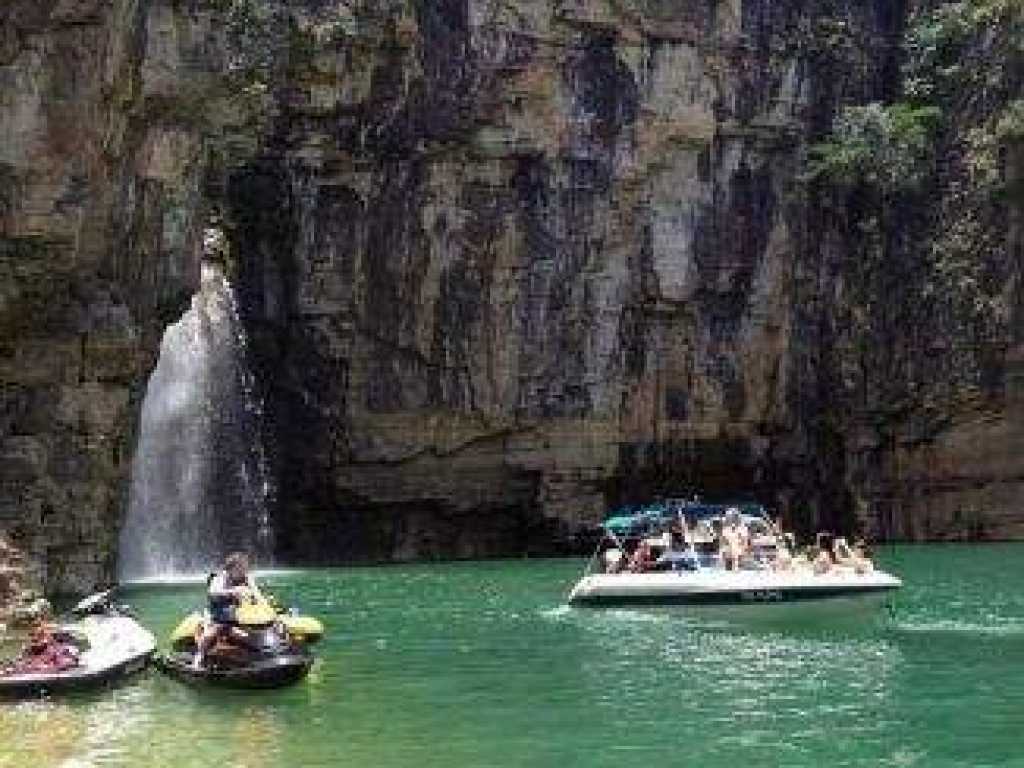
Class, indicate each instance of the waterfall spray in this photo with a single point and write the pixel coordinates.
(200, 482)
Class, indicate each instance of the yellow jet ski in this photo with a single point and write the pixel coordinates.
(264, 648)
(302, 630)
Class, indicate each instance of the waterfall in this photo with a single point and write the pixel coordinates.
(200, 484)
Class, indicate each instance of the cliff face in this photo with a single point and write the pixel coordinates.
(923, 343)
(503, 264)
(100, 203)
(512, 262)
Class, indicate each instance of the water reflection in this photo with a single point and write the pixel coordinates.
(482, 664)
(735, 690)
(38, 733)
(256, 736)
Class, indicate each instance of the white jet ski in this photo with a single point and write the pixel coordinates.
(104, 642)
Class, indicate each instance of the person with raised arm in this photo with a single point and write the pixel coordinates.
(225, 589)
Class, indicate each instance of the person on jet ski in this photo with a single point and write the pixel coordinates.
(44, 652)
(225, 590)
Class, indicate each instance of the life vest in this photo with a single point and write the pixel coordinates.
(222, 607)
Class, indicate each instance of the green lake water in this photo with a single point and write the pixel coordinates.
(481, 664)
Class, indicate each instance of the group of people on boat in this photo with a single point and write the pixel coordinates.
(734, 542)
(823, 557)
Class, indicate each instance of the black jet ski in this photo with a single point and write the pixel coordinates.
(256, 652)
(101, 643)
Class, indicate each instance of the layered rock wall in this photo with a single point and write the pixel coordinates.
(514, 262)
(932, 432)
(503, 264)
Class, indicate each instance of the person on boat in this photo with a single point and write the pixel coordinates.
(784, 553)
(850, 557)
(822, 562)
(613, 560)
(735, 540)
(861, 552)
(225, 590)
(642, 558)
(703, 533)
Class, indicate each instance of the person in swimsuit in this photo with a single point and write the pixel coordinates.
(735, 540)
(822, 562)
(784, 552)
(851, 558)
(45, 652)
(641, 559)
(225, 590)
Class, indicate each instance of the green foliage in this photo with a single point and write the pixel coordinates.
(918, 190)
(1010, 127)
(252, 41)
(886, 147)
(947, 47)
(959, 260)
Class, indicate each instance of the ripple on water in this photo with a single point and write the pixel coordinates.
(483, 664)
(995, 627)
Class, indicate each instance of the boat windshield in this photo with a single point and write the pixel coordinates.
(629, 520)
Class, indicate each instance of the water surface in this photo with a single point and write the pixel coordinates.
(481, 664)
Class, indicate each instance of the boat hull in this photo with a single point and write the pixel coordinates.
(740, 593)
(73, 680)
(270, 672)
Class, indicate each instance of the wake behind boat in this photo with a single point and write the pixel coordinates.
(687, 553)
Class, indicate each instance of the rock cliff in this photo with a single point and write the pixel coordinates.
(102, 162)
(504, 264)
(512, 262)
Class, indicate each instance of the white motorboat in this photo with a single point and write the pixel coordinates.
(682, 563)
(718, 587)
